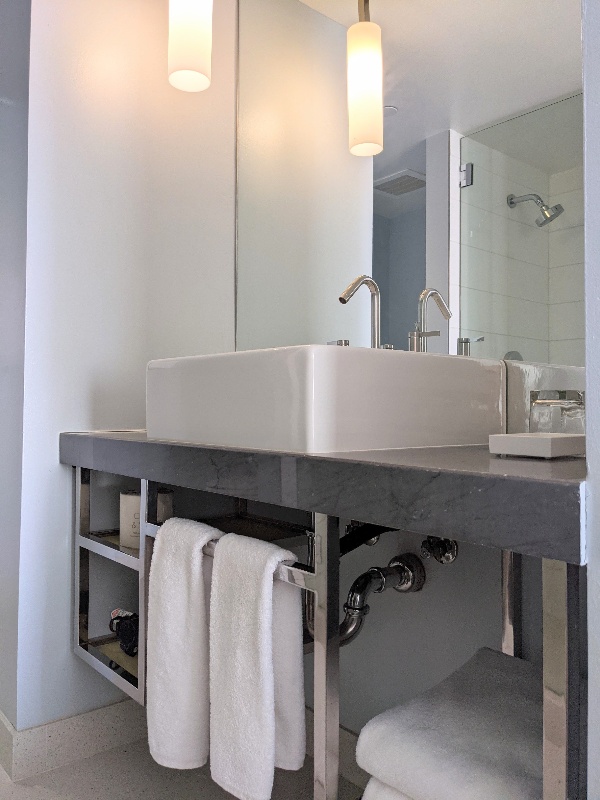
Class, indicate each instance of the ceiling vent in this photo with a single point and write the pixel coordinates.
(400, 182)
(399, 193)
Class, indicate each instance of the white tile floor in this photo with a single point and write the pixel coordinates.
(130, 772)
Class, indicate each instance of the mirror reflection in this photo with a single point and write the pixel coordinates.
(399, 236)
(505, 253)
(522, 237)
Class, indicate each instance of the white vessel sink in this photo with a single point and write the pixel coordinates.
(322, 399)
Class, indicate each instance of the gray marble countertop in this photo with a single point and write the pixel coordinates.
(525, 505)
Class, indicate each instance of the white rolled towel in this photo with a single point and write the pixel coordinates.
(477, 734)
(177, 677)
(256, 669)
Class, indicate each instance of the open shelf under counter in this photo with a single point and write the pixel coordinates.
(106, 544)
(106, 657)
(110, 649)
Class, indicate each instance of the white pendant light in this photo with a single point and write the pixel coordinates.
(365, 85)
(190, 44)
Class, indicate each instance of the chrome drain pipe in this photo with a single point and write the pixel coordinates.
(404, 573)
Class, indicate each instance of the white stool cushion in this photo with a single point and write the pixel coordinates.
(375, 790)
(475, 736)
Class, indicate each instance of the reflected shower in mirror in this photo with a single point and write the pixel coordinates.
(522, 237)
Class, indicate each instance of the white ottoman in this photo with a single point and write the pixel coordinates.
(475, 736)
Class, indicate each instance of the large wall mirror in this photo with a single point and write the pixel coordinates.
(311, 216)
(521, 265)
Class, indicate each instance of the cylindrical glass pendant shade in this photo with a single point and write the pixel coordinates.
(365, 89)
(190, 44)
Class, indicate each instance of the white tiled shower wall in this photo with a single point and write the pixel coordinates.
(566, 298)
(510, 291)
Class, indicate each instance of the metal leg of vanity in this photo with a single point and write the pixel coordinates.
(326, 657)
(512, 633)
(564, 669)
(565, 690)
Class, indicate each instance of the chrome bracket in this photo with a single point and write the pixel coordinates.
(466, 175)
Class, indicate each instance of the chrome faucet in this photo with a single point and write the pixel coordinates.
(375, 303)
(417, 339)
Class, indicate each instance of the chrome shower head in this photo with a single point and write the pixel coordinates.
(548, 213)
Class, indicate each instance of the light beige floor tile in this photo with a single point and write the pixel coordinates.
(15, 791)
(105, 728)
(129, 772)
(30, 753)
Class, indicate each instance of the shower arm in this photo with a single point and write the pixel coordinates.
(513, 201)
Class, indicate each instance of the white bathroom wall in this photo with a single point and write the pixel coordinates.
(304, 203)
(566, 298)
(504, 257)
(131, 231)
(189, 206)
(14, 61)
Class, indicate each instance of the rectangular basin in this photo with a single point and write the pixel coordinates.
(322, 399)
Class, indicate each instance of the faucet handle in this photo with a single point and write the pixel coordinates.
(416, 337)
(463, 345)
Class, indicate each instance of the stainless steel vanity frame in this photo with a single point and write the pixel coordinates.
(81, 487)
(565, 681)
(565, 648)
(323, 581)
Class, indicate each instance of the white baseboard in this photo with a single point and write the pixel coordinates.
(36, 750)
(349, 769)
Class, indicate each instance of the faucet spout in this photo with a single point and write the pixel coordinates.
(349, 292)
(417, 339)
(441, 304)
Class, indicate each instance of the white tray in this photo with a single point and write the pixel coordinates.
(538, 445)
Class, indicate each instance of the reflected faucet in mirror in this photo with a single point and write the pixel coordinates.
(463, 344)
(417, 339)
(349, 291)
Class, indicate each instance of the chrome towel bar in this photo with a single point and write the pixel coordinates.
(288, 571)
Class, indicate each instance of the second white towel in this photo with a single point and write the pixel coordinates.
(177, 651)
(256, 669)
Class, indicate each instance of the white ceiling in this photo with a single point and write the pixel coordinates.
(464, 64)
